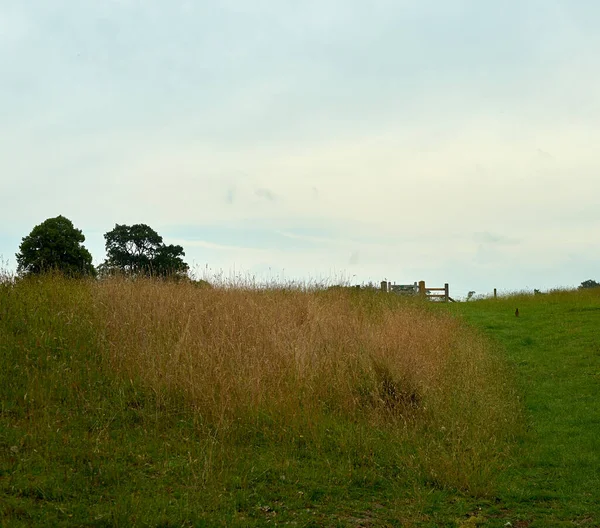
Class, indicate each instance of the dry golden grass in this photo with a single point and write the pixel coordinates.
(234, 351)
(235, 354)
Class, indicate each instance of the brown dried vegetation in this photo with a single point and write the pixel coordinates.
(236, 354)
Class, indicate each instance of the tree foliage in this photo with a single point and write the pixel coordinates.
(55, 244)
(139, 250)
(589, 284)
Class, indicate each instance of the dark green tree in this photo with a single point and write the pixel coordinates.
(589, 284)
(139, 250)
(55, 244)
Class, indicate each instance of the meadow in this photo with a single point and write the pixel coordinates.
(149, 403)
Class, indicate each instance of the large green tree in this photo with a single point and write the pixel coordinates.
(139, 250)
(55, 244)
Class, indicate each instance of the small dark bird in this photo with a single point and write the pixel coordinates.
(517, 312)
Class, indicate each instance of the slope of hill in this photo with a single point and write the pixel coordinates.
(157, 404)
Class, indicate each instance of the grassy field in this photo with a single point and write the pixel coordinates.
(155, 404)
(554, 346)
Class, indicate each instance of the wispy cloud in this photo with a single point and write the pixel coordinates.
(230, 195)
(266, 194)
(494, 239)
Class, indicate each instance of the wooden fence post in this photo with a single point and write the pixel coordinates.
(446, 292)
(422, 288)
(384, 286)
(495, 294)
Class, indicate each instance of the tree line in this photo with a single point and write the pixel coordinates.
(57, 245)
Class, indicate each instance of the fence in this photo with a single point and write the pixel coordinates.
(418, 288)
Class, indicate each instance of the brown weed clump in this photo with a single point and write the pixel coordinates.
(234, 353)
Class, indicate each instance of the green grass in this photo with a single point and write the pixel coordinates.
(554, 346)
(83, 445)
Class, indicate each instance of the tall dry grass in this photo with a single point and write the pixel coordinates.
(353, 372)
(237, 354)
(230, 352)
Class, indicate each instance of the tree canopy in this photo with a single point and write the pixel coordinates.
(55, 244)
(139, 250)
(589, 284)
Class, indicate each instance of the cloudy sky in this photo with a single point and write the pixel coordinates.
(440, 140)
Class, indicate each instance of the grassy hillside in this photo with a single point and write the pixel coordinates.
(155, 404)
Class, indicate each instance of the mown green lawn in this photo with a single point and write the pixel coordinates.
(554, 346)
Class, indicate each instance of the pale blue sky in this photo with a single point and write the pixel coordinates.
(446, 141)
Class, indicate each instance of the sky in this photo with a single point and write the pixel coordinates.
(450, 141)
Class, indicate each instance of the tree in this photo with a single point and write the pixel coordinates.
(589, 284)
(55, 244)
(139, 250)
